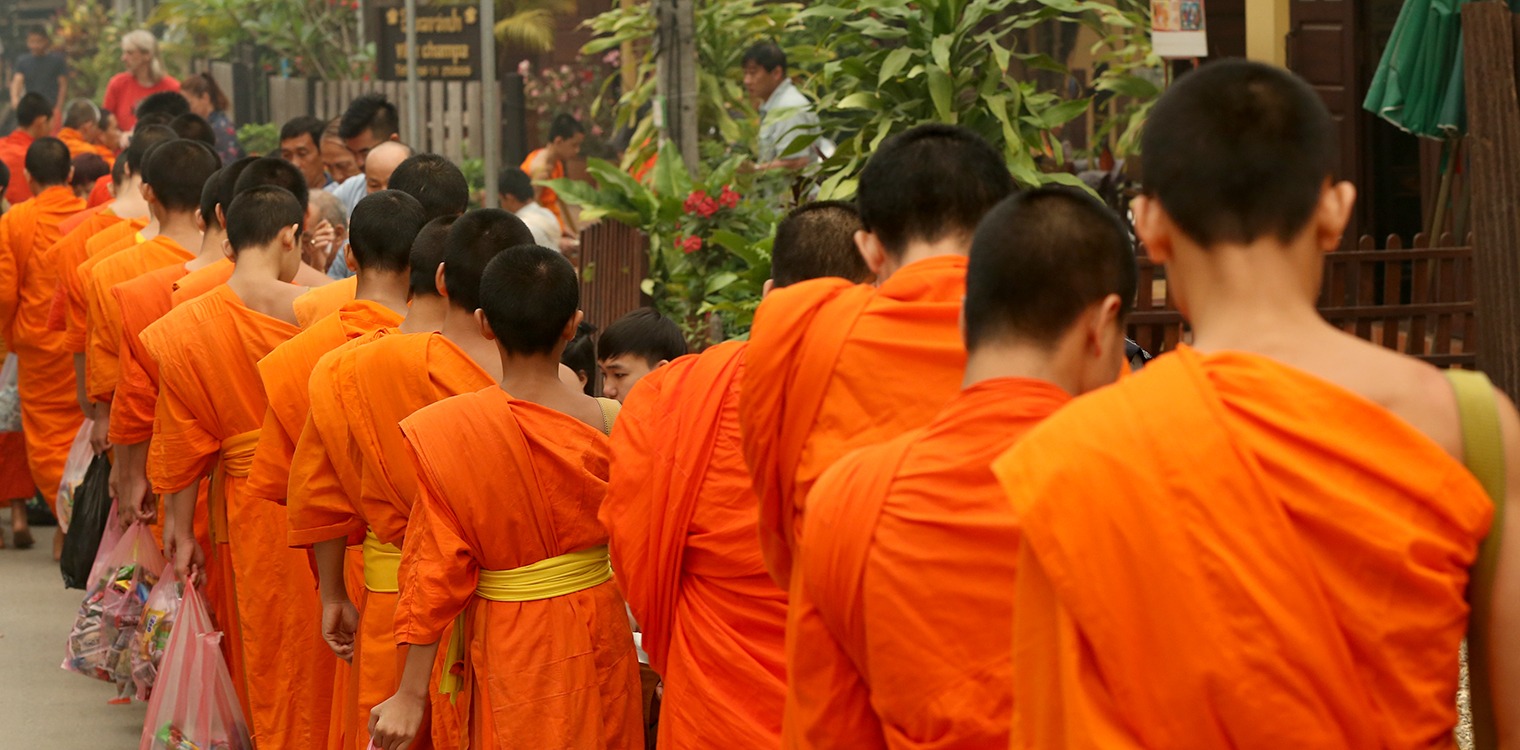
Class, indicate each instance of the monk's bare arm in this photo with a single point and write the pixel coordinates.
(340, 619)
(79, 388)
(1504, 655)
(129, 481)
(394, 723)
(189, 558)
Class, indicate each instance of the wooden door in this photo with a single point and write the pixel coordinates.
(1324, 48)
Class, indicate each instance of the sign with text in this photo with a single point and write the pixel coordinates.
(1177, 29)
(448, 39)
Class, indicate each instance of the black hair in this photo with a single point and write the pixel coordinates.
(194, 127)
(80, 112)
(143, 139)
(768, 55)
(817, 240)
(427, 252)
(171, 103)
(516, 183)
(210, 194)
(259, 214)
(1039, 259)
(435, 182)
(153, 119)
(228, 187)
(474, 240)
(272, 170)
(5, 177)
(643, 333)
(529, 294)
(106, 116)
(372, 112)
(205, 84)
(32, 107)
(48, 162)
(565, 126)
(1236, 151)
(580, 355)
(119, 171)
(177, 171)
(382, 228)
(88, 168)
(931, 182)
(303, 125)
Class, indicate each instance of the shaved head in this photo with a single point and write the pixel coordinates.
(382, 163)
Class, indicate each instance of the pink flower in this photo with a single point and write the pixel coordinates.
(690, 244)
(614, 58)
(728, 198)
(524, 68)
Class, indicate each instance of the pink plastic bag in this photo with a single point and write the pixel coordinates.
(194, 706)
(153, 630)
(74, 468)
(100, 645)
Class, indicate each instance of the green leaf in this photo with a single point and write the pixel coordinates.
(941, 50)
(647, 287)
(717, 282)
(940, 90)
(896, 60)
(1128, 85)
(1065, 112)
(1000, 55)
(1068, 179)
(671, 180)
(860, 100)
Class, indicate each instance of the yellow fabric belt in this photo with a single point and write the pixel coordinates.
(236, 461)
(545, 579)
(382, 565)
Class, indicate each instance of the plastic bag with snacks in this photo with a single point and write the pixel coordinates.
(194, 706)
(100, 645)
(153, 631)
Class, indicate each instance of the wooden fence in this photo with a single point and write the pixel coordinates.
(1418, 301)
(452, 113)
(614, 261)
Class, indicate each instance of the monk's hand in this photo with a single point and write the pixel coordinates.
(340, 621)
(394, 724)
(189, 559)
(99, 432)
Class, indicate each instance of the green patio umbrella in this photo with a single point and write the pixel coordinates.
(1418, 83)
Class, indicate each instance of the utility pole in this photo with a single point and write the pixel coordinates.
(490, 100)
(677, 84)
(413, 87)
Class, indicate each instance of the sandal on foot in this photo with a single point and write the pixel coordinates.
(22, 539)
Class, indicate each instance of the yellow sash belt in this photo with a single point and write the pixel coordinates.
(236, 461)
(382, 565)
(545, 579)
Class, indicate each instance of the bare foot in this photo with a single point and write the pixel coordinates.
(22, 538)
(58, 545)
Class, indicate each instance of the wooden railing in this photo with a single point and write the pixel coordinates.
(1418, 301)
(452, 112)
(614, 260)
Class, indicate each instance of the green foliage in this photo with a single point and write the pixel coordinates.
(318, 38)
(1132, 72)
(260, 139)
(89, 34)
(474, 169)
(709, 241)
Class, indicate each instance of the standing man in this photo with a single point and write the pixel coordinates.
(566, 134)
(369, 121)
(301, 145)
(41, 69)
(34, 119)
(381, 163)
(517, 196)
(785, 114)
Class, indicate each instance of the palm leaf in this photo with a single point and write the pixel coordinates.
(530, 30)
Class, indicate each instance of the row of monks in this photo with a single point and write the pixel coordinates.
(923, 505)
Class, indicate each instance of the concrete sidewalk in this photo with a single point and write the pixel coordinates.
(42, 706)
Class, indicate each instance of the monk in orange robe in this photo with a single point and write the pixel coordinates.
(34, 119)
(517, 551)
(815, 392)
(909, 546)
(681, 518)
(81, 125)
(210, 407)
(50, 415)
(566, 134)
(1293, 571)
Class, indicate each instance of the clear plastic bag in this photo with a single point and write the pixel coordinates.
(74, 470)
(10, 396)
(153, 631)
(194, 706)
(100, 645)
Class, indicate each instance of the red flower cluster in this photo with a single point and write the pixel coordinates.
(701, 204)
(690, 244)
(728, 198)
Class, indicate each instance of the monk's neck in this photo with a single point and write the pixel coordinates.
(258, 265)
(530, 378)
(461, 328)
(181, 228)
(1060, 365)
(425, 314)
(388, 288)
(918, 250)
(129, 203)
(1248, 297)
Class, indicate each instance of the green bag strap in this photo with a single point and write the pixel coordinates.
(1483, 453)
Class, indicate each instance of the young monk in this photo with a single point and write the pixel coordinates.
(174, 174)
(81, 127)
(920, 525)
(814, 387)
(437, 183)
(1293, 571)
(634, 346)
(34, 119)
(681, 518)
(566, 134)
(50, 416)
(211, 404)
(361, 482)
(548, 658)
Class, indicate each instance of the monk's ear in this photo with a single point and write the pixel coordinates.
(443, 289)
(290, 237)
(872, 251)
(1153, 227)
(221, 216)
(766, 288)
(573, 326)
(485, 327)
(1333, 213)
(146, 191)
(227, 249)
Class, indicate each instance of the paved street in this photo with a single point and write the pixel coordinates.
(42, 706)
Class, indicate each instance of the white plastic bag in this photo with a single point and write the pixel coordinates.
(10, 396)
(80, 454)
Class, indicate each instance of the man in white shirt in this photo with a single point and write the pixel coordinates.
(786, 116)
(517, 196)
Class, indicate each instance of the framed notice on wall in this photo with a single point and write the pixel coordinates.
(448, 38)
(1177, 28)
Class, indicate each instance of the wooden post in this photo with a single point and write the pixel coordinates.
(677, 84)
(1493, 116)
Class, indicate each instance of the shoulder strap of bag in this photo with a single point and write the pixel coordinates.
(610, 410)
(1483, 453)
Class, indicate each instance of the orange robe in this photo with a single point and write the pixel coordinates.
(546, 196)
(681, 516)
(13, 153)
(70, 251)
(211, 405)
(101, 193)
(352, 472)
(901, 617)
(502, 484)
(78, 146)
(201, 280)
(1291, 574)
(105, 243)
(50, 415)
(880, 361)
(103, 318)
(324, 300)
